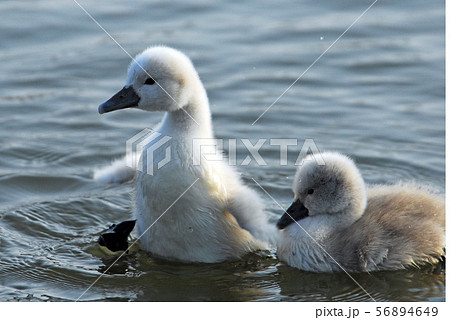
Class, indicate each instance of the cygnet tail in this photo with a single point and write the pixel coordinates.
(248, 210)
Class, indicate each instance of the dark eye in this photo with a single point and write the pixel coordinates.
(149, 81)
(310, 191)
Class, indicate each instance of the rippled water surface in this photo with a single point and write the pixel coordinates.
(377, 94)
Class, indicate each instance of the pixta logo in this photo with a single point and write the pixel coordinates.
(150, 150)
(147, 149)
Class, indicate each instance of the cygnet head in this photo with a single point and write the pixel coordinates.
(333, 192)
(159, 79)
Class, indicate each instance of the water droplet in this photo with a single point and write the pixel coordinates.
(190, 229)
(321, 38)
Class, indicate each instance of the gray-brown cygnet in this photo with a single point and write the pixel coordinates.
(336, 222)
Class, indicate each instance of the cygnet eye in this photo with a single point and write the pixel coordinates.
(310, 191)
(149, 81)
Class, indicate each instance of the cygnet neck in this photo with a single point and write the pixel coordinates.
(193, 120)
(355, 210)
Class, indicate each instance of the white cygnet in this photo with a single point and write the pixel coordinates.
(335, 221)
(189, 209)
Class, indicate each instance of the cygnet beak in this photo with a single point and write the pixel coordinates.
(125, 98)
(294, 213)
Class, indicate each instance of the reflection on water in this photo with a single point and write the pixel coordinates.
(377, 95)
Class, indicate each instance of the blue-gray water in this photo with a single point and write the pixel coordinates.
(377, 95)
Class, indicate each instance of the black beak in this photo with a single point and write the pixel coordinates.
(125, 98)
(294, 213)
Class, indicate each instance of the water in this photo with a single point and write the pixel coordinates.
(377, 94)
